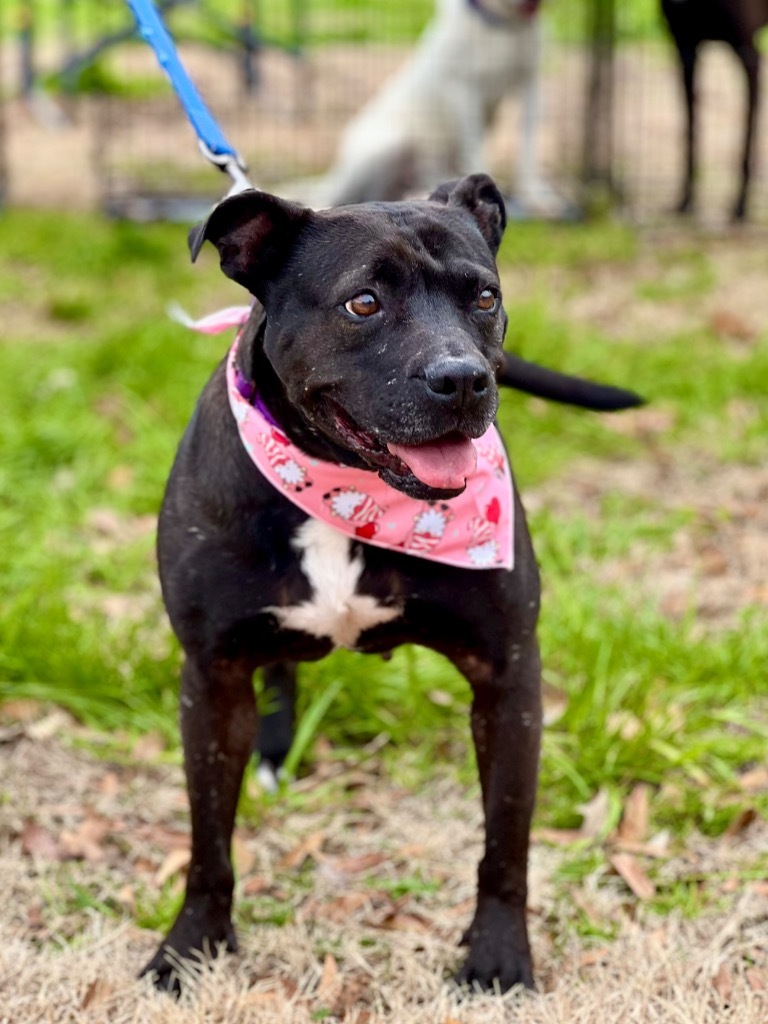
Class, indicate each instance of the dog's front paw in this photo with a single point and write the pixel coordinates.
(197, 936)
(499, 954)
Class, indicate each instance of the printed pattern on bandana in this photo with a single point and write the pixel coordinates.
(472, 531)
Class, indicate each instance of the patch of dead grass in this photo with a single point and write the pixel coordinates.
(380, 882)
(717, 564)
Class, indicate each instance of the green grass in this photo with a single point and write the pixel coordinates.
(286, 23)
(158, 912)
(96, 385)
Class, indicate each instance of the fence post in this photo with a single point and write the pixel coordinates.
(4, 100)
(26, 47)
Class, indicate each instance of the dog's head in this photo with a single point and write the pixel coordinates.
(384, 322)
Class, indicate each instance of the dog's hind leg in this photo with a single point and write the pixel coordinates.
(276, 723)
(218, 726)
(385, 177)
(688, 61)
(506, 729)
(750, 59)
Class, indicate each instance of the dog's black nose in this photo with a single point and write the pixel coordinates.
(457, 380)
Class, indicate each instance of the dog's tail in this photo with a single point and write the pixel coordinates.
(560, 387)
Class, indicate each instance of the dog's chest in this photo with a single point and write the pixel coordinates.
(336, 609)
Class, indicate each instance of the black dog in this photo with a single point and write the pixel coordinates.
(736, 22)
(375, 343)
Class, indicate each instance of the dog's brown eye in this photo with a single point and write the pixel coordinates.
(487, 299)
(363, 304)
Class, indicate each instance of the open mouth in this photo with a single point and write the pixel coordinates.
(442, 464)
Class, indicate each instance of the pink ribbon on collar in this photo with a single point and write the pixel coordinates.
(472, 531)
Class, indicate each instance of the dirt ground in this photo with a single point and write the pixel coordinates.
(88, 840)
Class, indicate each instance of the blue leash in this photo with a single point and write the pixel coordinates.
(212, 142)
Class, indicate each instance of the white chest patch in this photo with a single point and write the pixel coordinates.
(335, 609)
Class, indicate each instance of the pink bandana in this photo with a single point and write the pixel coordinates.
(473, 531)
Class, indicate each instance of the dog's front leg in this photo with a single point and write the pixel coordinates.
(218, 726)
(506, 728)
(463, 149)
(528, 176)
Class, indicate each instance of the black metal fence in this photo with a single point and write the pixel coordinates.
(285, 76)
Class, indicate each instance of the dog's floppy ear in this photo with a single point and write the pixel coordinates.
(478, 195)
(253, 231)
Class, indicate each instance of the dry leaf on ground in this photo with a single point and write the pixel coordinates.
(633, 827)
(628, 867)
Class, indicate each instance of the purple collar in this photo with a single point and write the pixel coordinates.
(247, 389)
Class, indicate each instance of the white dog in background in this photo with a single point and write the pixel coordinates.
(429, 121)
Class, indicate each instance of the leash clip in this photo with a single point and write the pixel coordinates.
(232, 164)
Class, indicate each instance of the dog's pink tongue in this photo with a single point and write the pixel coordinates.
(444, 464)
